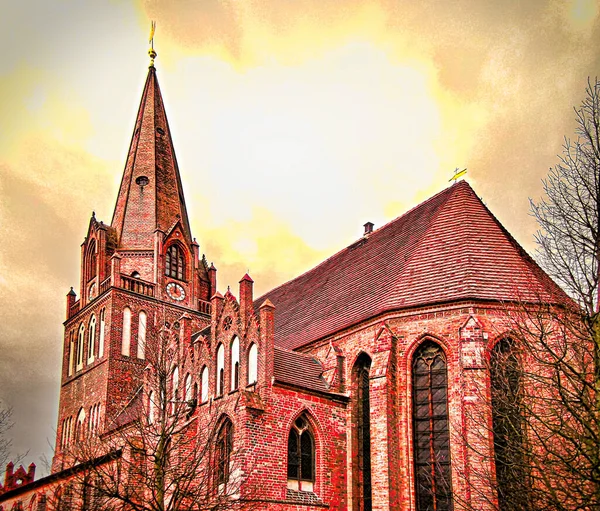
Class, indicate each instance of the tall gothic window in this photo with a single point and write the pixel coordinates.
(175, 263)
(174, 389)
(141, 344)
(91, 339)
(301, 456)
(511, 475)
(252, 364)
(235, 364)
(223, 448)
(126, 338)
(90, 261)
(71, 354)
(204, 385)
(80, 343)
(102, 333)
(362, 435)
(430, 427)
(220, 370)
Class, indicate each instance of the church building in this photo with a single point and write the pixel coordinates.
(354, 386)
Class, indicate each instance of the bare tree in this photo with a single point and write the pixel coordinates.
(544, 412)
(161, 453)
(5, 425)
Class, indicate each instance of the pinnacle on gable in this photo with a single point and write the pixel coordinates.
(246, 278)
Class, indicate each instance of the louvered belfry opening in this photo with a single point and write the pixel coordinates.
(507, 419)
(433, 484)
(362, 434)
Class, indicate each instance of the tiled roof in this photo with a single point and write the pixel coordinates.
(448, 248)
(299, 370)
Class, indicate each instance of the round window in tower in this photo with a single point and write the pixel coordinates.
(142, 181)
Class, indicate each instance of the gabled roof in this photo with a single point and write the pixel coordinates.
(449, 248)
(159, 203)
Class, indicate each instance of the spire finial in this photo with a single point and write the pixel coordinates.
(151, 51)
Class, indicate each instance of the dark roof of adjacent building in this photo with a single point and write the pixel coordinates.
(299, 370)
(449, 248)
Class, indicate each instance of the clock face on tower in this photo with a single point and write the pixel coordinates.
(175, 291)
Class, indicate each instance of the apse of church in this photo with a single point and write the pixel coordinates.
(348, 387)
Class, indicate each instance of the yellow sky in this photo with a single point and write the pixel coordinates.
(294, 123)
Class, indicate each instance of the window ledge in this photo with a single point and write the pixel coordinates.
(303, 497)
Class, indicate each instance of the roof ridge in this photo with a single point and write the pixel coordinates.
(373, 234)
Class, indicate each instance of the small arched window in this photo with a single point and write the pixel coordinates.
(235, 364)
(126, 340)
(141, 345)
(80, 343)
(252, 364)
(91, 339)
(204, 385)
(301, 456)
(174, 262)
(79, 431)
(223, 448)
(220, 370)
(102, 333)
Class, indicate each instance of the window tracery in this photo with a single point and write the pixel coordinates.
(175, 262)
(430, 429)
(301, 456)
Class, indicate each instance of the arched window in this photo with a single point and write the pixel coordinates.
(174, 388)
(141, 344)
(174, 262)
(79, 431)
(126, 340)
(223, 448)
(235, 364)
(102, 333)
(80, 343)
(91, 339)
(507, 421)
(71, 353)
(220, 370)
(301, 456)
(204, 385)
(188, 387)
(151, 408)
(252, 364)
(90, 261)
(362, 434)
(430, 429)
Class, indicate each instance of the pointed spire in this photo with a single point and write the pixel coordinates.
(151, 196)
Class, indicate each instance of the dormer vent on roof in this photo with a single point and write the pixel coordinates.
(368, 228)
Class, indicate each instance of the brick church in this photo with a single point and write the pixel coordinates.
(348, 387)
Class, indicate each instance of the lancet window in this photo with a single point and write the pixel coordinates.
(301, 456)
(430, 427)
(175, 262)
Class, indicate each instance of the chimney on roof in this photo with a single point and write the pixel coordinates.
(368, 228)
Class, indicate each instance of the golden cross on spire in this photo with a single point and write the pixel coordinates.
(151, 51)
(457, 173)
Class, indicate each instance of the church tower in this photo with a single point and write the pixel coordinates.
(138, 274)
